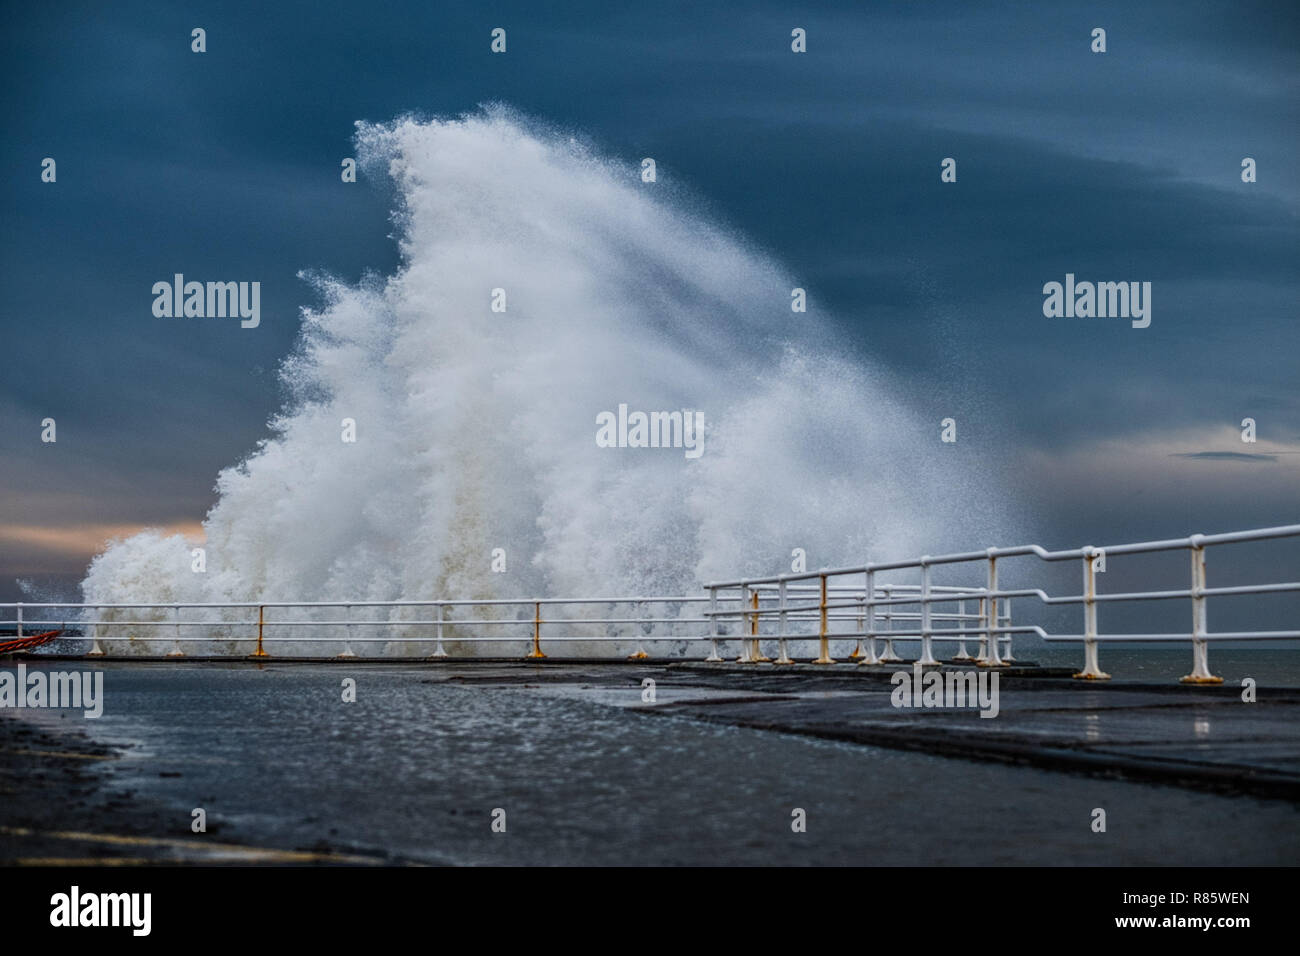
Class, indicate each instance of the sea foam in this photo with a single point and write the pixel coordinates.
(476, 430)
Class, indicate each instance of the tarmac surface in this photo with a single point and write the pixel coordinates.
(290, 778)
(1198, 736)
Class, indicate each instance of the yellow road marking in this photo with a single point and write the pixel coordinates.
(267, 854)
(83, 861)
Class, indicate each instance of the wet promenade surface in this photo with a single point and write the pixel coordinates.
(583, 768)
(1202, 736)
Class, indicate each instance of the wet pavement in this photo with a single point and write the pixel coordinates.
(584, 770)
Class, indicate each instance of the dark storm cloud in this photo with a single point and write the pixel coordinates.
(1123, 166)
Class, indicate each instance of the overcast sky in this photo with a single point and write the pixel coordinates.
(1117, 166)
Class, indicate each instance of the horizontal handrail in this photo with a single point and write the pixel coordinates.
(799, 606)
(926, 595)
(1195, 540)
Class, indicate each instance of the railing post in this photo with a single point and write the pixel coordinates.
(1091, 668)
(176, 639)
(714, 626)
(862, 613)
(756, 652)
(1200, 648)
(95, 649)
(537, 631)
(983, 654)
(991, 618)
(347, 633)
(962, 654)
(745, 657)
(889, 657)
(927, 650)
(438, 650)
(640, 654)
(869, 621)
(857, 654)
(1006, 618)
(261, 621)
(825, 656)
(783, 621)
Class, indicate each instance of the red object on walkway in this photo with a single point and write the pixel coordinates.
(27, 643)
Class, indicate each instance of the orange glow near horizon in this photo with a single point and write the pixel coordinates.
(87, 540)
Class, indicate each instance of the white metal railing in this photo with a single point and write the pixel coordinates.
(991, 596)
(817, 605)
(105, 621)
(851, 604)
